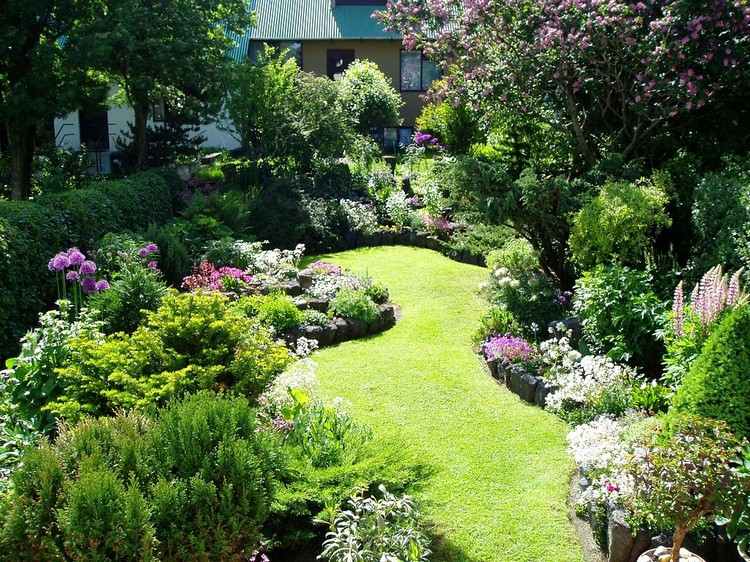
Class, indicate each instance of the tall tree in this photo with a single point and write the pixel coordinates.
(157, 49)
(41, 73)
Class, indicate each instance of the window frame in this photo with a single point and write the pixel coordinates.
(422, 60)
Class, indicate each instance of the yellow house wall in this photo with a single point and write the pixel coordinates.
(386, 54)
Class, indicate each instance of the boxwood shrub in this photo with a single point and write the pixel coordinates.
(33, 231)
(194, 482)
(717, 385)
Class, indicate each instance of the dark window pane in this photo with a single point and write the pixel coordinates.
(430, 73)
(338, 61)
(404, 136)
(411, 71)
(94, 127)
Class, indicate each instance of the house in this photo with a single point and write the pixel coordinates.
(324, 36)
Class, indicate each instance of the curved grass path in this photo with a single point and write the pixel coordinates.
(501, 480)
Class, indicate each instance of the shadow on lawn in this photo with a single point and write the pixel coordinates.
(445, 550)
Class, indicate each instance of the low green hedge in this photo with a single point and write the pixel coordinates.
(31, 232)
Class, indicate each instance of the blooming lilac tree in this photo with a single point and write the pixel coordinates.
(611, 72)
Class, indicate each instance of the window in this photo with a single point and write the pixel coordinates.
(293, 49)
(417, 73)
(338, 60)
(393, 139)
(94, 129)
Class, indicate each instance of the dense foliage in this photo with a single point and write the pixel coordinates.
(31, 232)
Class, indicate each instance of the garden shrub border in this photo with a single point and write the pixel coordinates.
(31, 232)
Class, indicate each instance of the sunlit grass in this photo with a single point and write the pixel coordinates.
(499, 491)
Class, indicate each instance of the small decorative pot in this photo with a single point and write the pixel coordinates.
(663, 554)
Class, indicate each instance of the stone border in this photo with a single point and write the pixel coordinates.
(339, 329)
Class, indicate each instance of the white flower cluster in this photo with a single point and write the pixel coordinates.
(360, 216)
(326, 286)
(578, 379)
(597, 445)
(504, 279)
(304, 347)
(276, 263)
(601, 453)
(397, 208)
(587, 381)
(300, 375)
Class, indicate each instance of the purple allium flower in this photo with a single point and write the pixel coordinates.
(508, 348)
(72, 276)
(102, 285)
(152, 248)
(88, 268)
(153, 265)
(59, 262)
(76, 257)
(143, 252)
(88, 285)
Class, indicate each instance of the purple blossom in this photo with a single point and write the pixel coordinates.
(153, 265)
(508, 348)
(102, 285)
(88, 285)
(59, 262)
(76, 257)
(72, 276)
(88, 268)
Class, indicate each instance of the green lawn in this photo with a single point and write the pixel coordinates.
(501, 477)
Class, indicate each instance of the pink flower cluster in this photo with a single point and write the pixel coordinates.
(325, 268)
(438, 224)
(715, 292)
(207, 276)
(510, 349)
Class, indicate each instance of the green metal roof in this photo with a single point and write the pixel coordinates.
(285, 20)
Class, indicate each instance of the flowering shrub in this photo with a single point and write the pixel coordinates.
(508, 349)
(437, 224)
(325, 268)
(715, 292)
(626, 68)
(377, 530)
(327, 287)
(207, 276)
(397, 209)
(276, 264)
(584, 386)
(600, 452)
(361, 217)
(691, 323)
(425, 139)
(682, 474)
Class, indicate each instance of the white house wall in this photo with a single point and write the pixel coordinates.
(68, 134)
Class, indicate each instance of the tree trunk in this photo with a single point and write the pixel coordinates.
(139, 134)
(677, 541)
(22, 156)
(584, 148)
